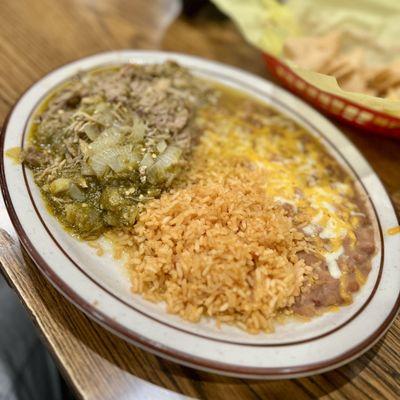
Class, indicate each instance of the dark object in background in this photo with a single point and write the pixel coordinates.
(27, 371)
(192, 9)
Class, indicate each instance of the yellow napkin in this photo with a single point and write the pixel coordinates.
(371, 24)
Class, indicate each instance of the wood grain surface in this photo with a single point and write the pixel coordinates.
(38, 36)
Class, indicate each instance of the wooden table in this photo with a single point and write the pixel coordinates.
(38, 36)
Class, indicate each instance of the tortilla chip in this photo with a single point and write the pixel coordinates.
(393, 93)
(311, 52)
(356, 82)
(385, 78)
(344, 64)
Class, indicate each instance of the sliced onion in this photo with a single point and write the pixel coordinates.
(138, 130)
(92, 131)
(98, 163)
(103, 114)
(87, 170)
(161, 146)
(159, 171)
(147, 161)
(100, 160)
(123, 158)
(108, 138)
(113, 158)
(113, 133)
(118, 158)
(75, 193)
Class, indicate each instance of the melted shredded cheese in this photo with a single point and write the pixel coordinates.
(299, 173)
(331, 260)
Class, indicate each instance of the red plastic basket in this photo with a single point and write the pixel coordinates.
(347, 111)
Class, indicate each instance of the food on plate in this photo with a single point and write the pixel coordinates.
(220, 247)
(109, 140)
(240, 214)
(327, 54)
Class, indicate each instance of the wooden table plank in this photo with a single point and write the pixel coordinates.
(36, 37)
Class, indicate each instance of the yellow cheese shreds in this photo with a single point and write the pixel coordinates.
(298, 171)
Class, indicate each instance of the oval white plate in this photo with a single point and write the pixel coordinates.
(99, 286)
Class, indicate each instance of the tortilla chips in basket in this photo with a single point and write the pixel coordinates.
(342, 56)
